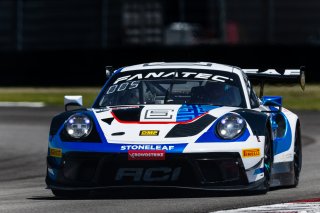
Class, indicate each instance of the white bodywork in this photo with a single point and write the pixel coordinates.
(253, 142)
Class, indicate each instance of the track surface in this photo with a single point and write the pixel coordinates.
(23, 147)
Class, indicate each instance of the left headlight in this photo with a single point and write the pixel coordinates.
(78, 126)
(230, 126)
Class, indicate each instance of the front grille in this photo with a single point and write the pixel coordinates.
(224, 171)
(100, 169)
(81, 169)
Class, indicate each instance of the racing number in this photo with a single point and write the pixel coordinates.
(123, 86)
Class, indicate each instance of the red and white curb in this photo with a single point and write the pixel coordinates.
(22, 104)
(300, 206)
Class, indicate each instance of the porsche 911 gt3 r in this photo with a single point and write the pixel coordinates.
(181, 125)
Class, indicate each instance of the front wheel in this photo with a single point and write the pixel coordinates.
(268, 161)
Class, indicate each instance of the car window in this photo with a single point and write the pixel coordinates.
(174, 87)
(254, 101)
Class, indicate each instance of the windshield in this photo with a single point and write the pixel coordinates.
(183, 86)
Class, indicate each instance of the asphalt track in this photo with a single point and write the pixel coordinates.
(23, 147)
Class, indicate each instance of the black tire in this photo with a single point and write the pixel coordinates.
(268, 161)
(297, 159)
(70, 193)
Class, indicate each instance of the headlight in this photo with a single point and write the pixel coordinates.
(78, 126)
(231, 126)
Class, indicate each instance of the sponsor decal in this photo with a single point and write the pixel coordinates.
(147, 147)
(124, 148)
(155, 75)
(55, 152)
(190, 112)
(149, 133)
(156, 174)
(146, 155)
(272, 72)
(159, 114)
(248, 153)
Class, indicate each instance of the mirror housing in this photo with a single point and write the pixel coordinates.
(109, 71)
(273, 101)
(72, 100)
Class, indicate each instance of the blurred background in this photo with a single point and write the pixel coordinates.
(52, 48)
(69, 42)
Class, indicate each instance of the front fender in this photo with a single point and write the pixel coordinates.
(256, 120)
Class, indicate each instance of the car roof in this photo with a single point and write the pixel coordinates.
(179, 65)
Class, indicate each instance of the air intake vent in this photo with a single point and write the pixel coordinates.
(190, 129)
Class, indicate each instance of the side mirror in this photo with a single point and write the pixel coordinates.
(109, 71)
(72, 100)
(274, 102)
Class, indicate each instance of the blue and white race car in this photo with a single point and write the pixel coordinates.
(178, 125)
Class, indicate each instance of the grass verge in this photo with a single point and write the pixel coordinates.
(293, 97)
(50, 96)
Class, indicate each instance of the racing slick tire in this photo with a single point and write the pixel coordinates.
(297, 161)
(70, 193)
(268, 161)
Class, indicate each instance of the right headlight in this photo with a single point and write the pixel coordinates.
(230, 126)
(78, 126)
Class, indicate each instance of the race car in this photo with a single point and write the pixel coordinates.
(177, 125)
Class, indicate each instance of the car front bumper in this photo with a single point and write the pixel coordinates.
(211, 171)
